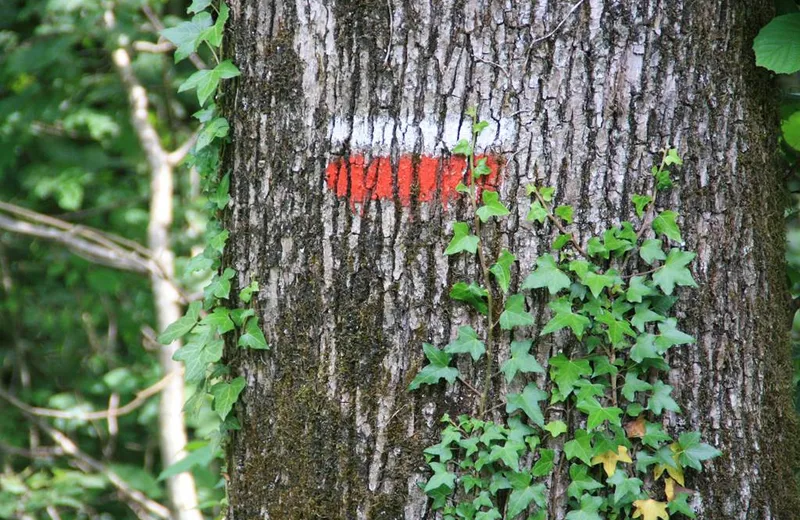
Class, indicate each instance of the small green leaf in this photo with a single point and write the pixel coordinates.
(588, 510)
(644, 348)
(462, 240)
(467, 342)
(520, 361)
(661, 400)
(547, 193)
(472, 294)
(598, 414)
(597, 282)
(200, 457)
(246, 294)
(625, 486)
(479, 127)
(225, 395)
(632, 385)
(777, 45)
(182, 326)
(253, 337)
(654, 435)
(564, 212)
(187, 36)
(596, 248)
(463, 148)
(441, 478)
(680, 505)
(527, 401)
(561, 240)
(693, 452)
(556, 428)
(515, 314)
(674, 271)
(638, 288)
(492, 207)
(502, 269)
(437, 370)
(579, 448)
(206, 81)
(651, 251)
(214, 129)
(481, 169)
(547, 274)
(536, 212)
(520, 499)
(616, 330)
(198, 5)
(214, 34)
(664, 224)
(564, 317)
(566, 372)
(219, 320)
(641, 202)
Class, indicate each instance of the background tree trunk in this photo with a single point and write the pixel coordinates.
(351, 267)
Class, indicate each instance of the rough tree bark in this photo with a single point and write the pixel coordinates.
(351, 267)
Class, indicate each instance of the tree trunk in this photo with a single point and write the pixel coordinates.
(343, 204)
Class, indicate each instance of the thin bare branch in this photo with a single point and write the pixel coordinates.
(196, 60)
(161, 47)
(178, 155)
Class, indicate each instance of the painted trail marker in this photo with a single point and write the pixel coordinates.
(368, 172)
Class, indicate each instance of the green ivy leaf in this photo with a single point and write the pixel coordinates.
(536, 213)
(527, 401)
(599, 414)
(182, 326)
(624, 486)
(637, 289)
(214, 34)
(674, 271)
(547, 274)
(644, 348)
(564, 317)
(664, 224)
(219, 320)
(198, 5)
(467, 342)
(616, 330)
(651, 251)
(777, 45)
(201, 457)
(692, 452)
(253, 337)
(520, 499)
(679, 505)
(246, 294)
(206, 81)
(214, 129)
(588, 510)
(502, 269)
(661, 400)
(441, 478)
(644, 315)
(463, 148)
(564, 212)
(596, 248)
(556, 428)
(580, 481)
(632, 385)
(492, 207)
(654, 435)
(669, 336)
(437, 370)
(462, 240)
(579, 448)
(520, 361)
(597, 282)
(566, 372)
(515, 314)
(187, 36)
(561, 240)
(547, 193)
(225, 395)
(472, 294)
(640, 202)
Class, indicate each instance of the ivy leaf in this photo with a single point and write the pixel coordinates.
(198, 5)
(615, 244)
(561, 240)
(556, 428)
(651, 250)
(246, 294)
(187, 36)
(215, 128)
(536, 212)
(598, 282)
(520, 361)
(492, 207)
(674, 271)
(182, 326)
(214, 33)
(661, 400)
(644, 348)
(664, 224)
(463, 148)
(200, 457)
(528, 402)
(644, 315)
(564, 317)
(462, 240)
(219, 320)
(508, 453)
(580, 481)
(670, 336)
(596, 248)
(777, 46)
(692, 452)
(637, 288)
(253, 337)
(206, 81)
(609, 459)
(641, 202)
(515, 314)
(225, 395)
(616, 330)
(654, 435)
(520, 499)
(547, 274)
(467, 342)
(650, 509)
(579, 448)
(438, 368)
(472, 294)
(625, 486)
(632, 385)
(679, 505)
(599, 414)
(440, 478)
(502, 269)
(547, 193)
(588, 510)
(565, 213)
(566, 372)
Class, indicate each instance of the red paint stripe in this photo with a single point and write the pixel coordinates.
(358, 181)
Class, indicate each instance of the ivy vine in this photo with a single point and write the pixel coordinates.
(605, 397)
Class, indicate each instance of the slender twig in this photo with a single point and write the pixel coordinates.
(469, 385)
(557, 223)
(557, 27)
(174, 158)
(196, 60)
(139, 400)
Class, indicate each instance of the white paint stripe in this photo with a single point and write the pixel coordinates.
(377, 134)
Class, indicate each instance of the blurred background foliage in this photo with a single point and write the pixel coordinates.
(75, 336)
(78, 337)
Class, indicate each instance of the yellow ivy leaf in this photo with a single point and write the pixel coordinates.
(609, 459)
(650, 509)
(669, 489)
(676, 472)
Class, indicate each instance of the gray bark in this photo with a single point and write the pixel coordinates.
(351, 290)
